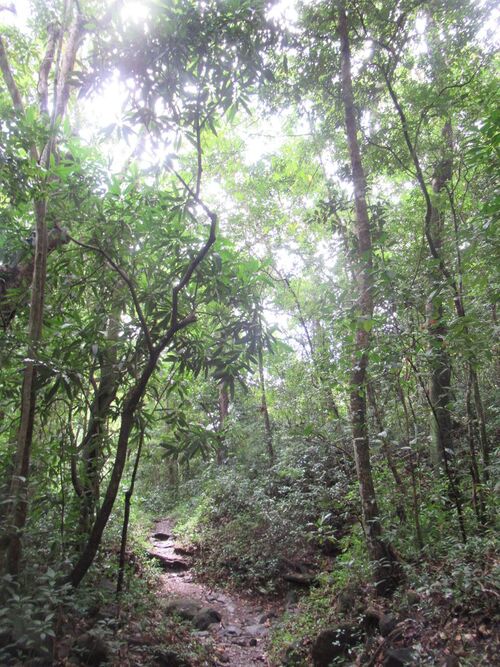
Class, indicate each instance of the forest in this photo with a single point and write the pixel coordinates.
(249, 356)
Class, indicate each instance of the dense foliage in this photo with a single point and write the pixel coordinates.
(249, 279)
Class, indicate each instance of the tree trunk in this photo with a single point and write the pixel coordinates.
(19, 482)
(92, 441)
(440, 376)
(223, 412)
(477, 494)
(265, 411)
(386, 447)
(126, 513)
(386, 568)
(127, 421)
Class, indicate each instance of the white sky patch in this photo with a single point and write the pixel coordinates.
(135, 11)
(17, 18)
(361, 57)
(288, 261)
(327, 254)
(421, 24)
(267, 138)
(285, 11)
(490, 32)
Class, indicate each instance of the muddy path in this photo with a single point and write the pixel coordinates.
(240, 637)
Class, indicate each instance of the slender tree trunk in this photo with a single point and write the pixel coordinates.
(19, 483)
(413, 463)
(477, 495)
(440, 378)
(126, 424)
(386, 568)
(481, 420)
(92, 441)
(126, 513)
(64, 67)
(265, 411)
(386, 448)
(223, 412)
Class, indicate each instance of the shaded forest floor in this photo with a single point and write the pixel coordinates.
(173, 617)
(234, 628)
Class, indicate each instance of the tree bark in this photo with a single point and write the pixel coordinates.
(19, 482)
(265, 411)
(223, 412)
(386, 568)
(440, 376)
(126, 424)
(92, 441)
(126, 513)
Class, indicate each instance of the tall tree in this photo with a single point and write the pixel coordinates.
(386, 568)
(59, 59)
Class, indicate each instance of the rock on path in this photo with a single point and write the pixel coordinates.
(237, 627)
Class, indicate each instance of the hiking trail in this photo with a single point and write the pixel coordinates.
(239, 638)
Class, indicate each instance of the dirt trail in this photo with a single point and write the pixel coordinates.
(240, 638)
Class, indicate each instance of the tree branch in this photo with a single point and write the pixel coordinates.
(45, 67)
(67, 65)
(130, 285)
(9, 79)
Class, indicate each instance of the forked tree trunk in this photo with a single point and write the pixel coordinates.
(386, 568)
(135, 395)
(131, 402)
(92, 441)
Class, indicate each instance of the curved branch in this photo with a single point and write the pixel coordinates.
(130, 285)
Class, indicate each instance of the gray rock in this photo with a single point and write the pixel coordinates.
(387, 623)
(267, 617)
(186, 608)
(334, 643)
(167, 563)
(91, 649)
(257, 630)
(300, 578)
(161, 537)
(184, 551)
(400, 657)
(232, 630)
(206, 617)
(170, 658)
(239, 641)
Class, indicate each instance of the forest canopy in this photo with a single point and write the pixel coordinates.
(249, 287)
